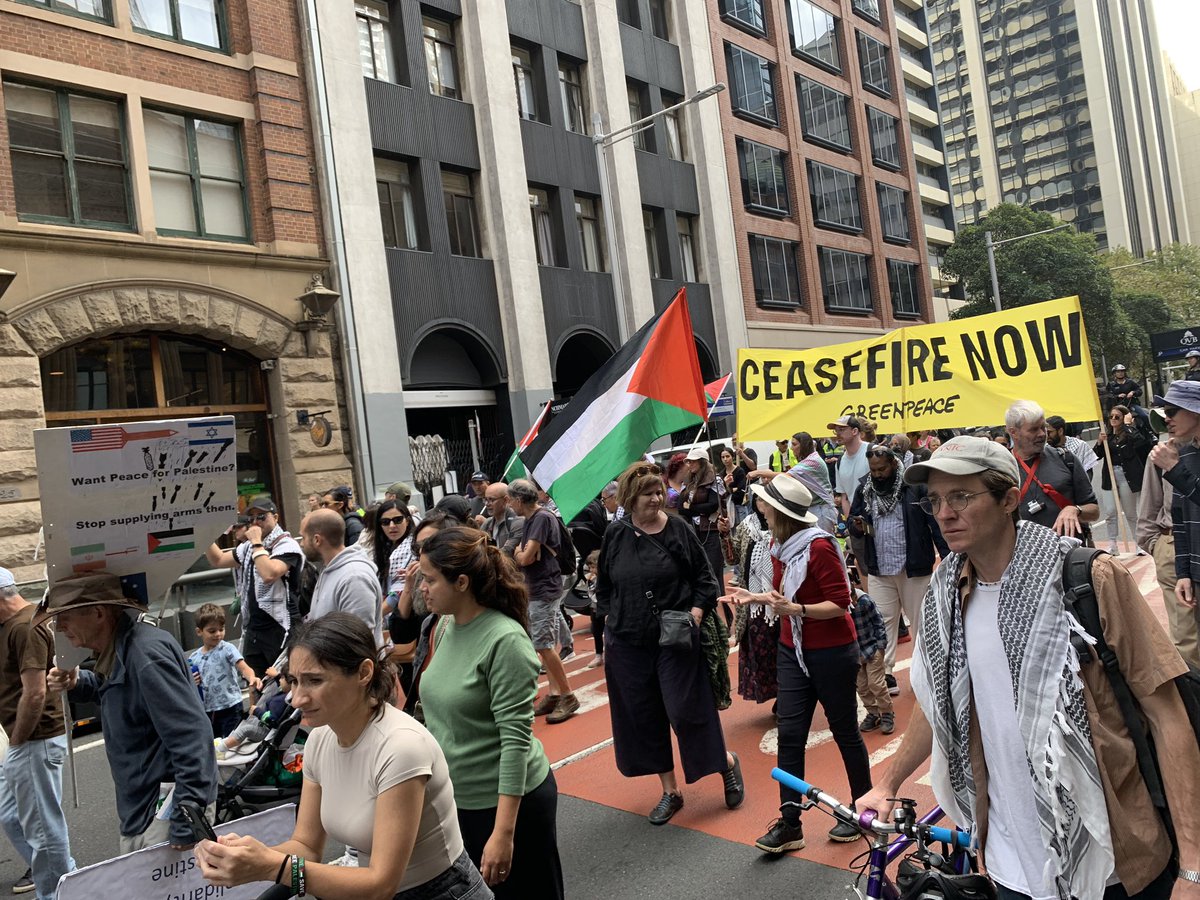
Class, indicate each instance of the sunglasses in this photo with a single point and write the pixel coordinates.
(647, 470)
(1169, 411)
(880, 453)
(261, 517)
(391, 521)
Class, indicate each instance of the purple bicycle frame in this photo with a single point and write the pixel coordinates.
(879, 886)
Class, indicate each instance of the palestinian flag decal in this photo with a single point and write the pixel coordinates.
(650, 387)
(170, 541)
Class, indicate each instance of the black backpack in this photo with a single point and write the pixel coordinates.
(566, 548)
(302, 582)
(1079, 596)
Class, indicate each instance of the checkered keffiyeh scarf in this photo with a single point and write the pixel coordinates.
(1035, 632)
(794, 554)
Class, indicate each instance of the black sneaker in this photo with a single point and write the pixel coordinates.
(887, 723)
(667, 807)
(24, 884)
(870, 722)
(844, 832)
(782, 837)
(735, 785)
(893, 688)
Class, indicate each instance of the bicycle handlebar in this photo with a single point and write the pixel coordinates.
(868, 819)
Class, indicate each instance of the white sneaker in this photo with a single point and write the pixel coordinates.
(596, 662)
(568, 656)
(349, 858)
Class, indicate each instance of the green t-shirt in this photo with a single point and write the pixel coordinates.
(477, 694)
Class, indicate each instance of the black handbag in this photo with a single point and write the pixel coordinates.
(675, 628)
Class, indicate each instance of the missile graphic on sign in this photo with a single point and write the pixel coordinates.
(111, 437)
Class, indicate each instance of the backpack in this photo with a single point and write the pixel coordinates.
(1079, 596)
(302, 582)
(566, 548)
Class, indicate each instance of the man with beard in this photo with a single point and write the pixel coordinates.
(899, 539)
(1056, 436)
(1054, 489)
(349, 581)
(270, 561)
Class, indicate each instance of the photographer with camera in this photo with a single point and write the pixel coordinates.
(1055, 490)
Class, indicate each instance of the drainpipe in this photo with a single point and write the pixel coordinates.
(327, 168)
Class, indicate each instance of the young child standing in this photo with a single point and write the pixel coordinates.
(216, 665)
(872, 688)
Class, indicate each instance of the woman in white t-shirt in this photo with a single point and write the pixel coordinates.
(374, 779)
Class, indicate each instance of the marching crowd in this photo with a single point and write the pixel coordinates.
(412, 645)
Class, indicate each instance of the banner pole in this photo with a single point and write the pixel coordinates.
(1122, 526)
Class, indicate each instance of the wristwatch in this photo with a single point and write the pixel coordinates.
(1189, 875)
(803, 612)
(256, 545)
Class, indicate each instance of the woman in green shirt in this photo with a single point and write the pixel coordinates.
(477, 694)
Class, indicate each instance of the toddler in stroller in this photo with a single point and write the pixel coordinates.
(260, 762)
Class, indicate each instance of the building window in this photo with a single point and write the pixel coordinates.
(543, 227)
(893, 213)
(752, 85)
(747, 13)
(570, 85)
(196, 176)
(689, 269)
(591, 234)
(522, 63)
(627, 12)
(903, 281)
(834, 196)
(773, 263)
(651, 228)
(845, 281)
(92, 9)
(374, 41)
(68, 157)
(643, 138)
(190, 21)
(885, 141)
(397, 204)
(824, 114)
(814, 34)
(875, 65)
(461, 220)
(764, 178)
(660, 19)
(868, 9)
(674, 123)
(440, 59)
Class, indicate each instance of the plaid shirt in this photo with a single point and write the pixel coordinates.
(872, 636)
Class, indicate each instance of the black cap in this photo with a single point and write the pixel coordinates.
(262, 502)
(480, 476)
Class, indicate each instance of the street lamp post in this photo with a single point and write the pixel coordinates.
(601, 142)
(991, 246)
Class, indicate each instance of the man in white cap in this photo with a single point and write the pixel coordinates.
(1029, 748)
(31, 776)
(1193, 366)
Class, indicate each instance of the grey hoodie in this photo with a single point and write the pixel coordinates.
(350, 584)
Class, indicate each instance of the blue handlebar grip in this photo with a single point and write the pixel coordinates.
(960, 838)
(789, 780)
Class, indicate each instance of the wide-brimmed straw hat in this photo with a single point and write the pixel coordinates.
(787, 495)
(77, 591)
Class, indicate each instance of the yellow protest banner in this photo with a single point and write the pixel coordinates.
(955, 374)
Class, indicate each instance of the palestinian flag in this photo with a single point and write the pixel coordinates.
(170, 541)
(713, 391)
(650, 387)
(514, 468)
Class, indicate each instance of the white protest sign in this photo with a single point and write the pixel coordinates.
(140, 500)
(160, 873)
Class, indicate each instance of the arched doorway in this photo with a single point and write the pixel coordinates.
(708, 364)
(579, 357)
(456, 406)
(133, 377)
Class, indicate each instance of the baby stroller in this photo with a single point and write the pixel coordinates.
(257, 779)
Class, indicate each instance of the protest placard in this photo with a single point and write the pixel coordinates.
(954, 374)
(160, 873)
(141, 500)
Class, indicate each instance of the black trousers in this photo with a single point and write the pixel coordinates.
(831, 678)
(711, 542)
(652, 690)
(1159, 889)
(536, 868)
(598, 633)
(225, 720)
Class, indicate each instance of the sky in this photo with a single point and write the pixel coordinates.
(1178, 29)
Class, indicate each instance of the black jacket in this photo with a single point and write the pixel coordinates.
(638, 571)
(921, 532)
(1130, 455)
(1116, 391)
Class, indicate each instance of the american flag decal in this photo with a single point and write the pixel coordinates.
(84, 440)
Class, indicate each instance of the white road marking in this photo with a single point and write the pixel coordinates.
(582, 754)
(888, 749)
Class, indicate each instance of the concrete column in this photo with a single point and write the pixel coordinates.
(706, 151)
(346, 166)
(609, 98)
(486, 62)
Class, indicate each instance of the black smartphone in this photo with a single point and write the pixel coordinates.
(201, 830)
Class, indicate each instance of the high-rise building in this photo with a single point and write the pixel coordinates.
(1060, 106)
(158, 210)
(1185, 110)
(492, 259)
(826, 208)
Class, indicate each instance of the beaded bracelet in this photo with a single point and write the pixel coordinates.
(282, 866)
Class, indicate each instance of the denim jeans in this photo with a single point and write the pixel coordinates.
(31, 810)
